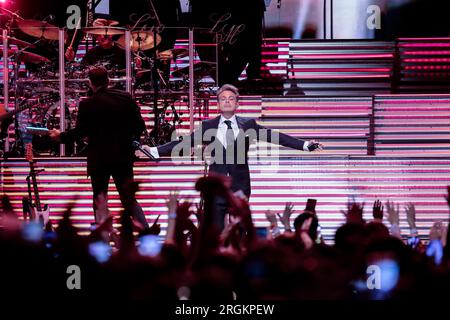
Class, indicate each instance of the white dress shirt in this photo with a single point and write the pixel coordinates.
(222, 129)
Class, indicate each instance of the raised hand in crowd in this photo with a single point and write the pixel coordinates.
(185, 229)
(354, 213)
(231, 236)
(393, 217)
(182, 221)
(410, 211)
(199, 213)
(438, 236)
(273, 223)
(393, 211)
(447, 242)
(413, 240)
(172, 204)
(438, 232)
(377, 211)
(210, 188)
(447, 197)
(241, 208)
(286, 217)
(155, 228)
(304, 233)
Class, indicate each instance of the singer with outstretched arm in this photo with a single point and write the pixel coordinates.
(230, 136)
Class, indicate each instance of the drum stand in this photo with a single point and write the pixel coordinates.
(17, 148)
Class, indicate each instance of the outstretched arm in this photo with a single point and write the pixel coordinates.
(190, 141)
(274, 136)
(80, 130)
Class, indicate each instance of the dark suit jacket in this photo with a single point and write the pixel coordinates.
(111, 120)
(239, 171)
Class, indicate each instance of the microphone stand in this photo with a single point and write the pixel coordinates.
(155, 84)
(205, 173)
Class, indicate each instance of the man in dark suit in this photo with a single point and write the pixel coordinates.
(111, 121)
(228, 138)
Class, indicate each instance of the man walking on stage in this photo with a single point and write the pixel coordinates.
(111, 121)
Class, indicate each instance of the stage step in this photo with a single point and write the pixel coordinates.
(423, 65)
(341, 123)
(412, 125)
(344, 67)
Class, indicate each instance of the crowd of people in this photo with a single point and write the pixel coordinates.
(195, 260)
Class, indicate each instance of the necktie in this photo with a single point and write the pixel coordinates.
(229, 136)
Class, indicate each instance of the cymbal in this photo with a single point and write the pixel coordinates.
(173, 54)
(12, 14)
(141, 40)
(39, 29)
(105, 22)
(201, 69)
(166, 55)
(104, 31)
(34, 58)
(18, 42)
(180, 53)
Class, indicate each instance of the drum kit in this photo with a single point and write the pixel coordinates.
(45, 77)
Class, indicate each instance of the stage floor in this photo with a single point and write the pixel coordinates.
(332, 180)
